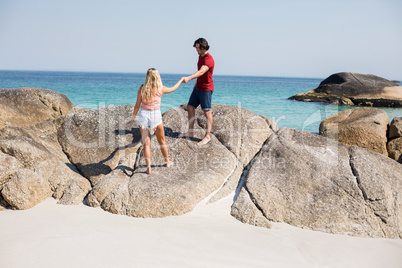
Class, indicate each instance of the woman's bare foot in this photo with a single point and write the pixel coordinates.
(188, 134)
(149, 171)
(204, 141)
(169, 164)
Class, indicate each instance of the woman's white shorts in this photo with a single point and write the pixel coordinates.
(149, 119)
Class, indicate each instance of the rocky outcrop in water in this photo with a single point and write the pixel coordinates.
(355, 89)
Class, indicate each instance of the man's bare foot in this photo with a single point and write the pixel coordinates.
(149, 171)
(188, 134)
(204, 141)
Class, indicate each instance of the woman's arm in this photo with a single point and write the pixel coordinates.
(137, 106)
(166, 90)
(201, 71)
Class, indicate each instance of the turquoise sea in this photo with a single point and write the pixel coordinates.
(262, 95)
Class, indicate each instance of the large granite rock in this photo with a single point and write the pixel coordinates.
(355, 89)
(9, 165)
(36, 169)
(24, 107)
(394, 148)
(394, 145)
(395, 128)
(96, 140)
(55, 154)
(363, 127)
(26, 189)
(240, 130)
(313, 182)
(198, 171)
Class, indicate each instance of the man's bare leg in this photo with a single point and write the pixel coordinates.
(207, 137)
(191, 119)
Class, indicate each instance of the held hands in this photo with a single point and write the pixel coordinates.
(184, 79)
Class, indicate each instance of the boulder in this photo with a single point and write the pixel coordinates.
(355, 89)
(363, 127)
(9, 165)
(313, 182)
(394, 148)
(26, 189)
(24, 107)
(240, 130)
(245, 211)
(97, 144)
(96, 140)
(395, 128)
(36, 171)
(198, 171)
(394, 145)
(66, 183)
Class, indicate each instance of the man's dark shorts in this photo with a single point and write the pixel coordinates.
(201, 97)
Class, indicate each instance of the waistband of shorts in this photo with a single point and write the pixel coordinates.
(149, 111)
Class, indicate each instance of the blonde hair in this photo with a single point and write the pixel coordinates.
(153, 81)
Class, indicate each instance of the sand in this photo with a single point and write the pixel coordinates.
(52, 235)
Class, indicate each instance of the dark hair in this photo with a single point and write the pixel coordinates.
(202, 42)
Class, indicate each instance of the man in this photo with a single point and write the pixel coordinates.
(202, 91)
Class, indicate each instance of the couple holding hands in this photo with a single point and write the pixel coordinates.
(149, 100)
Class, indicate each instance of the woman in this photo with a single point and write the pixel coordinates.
(150, 117)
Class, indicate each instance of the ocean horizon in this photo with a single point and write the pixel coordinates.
(261, 94)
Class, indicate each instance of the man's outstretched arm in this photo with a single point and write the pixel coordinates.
(203, 70)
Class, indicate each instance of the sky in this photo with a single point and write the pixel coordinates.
(287, 38)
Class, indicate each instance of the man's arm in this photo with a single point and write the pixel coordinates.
(201, 71)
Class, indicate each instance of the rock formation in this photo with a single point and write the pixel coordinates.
(313, 182)
(35, 168)
(394, 145)
(292, 176)
(24, 107)
(95, 141)
(355, 89)
(59, 157)
(197, 171)
(363, 127)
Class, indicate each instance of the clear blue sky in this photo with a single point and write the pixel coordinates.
(309, 38)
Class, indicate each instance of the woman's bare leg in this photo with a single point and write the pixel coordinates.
(160, 135)
(146, 141)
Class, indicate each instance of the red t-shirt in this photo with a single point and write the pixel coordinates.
(205, 82)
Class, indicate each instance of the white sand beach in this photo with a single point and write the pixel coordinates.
(52, 235)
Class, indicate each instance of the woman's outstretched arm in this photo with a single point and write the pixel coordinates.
(166, 90)
(137, 106)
